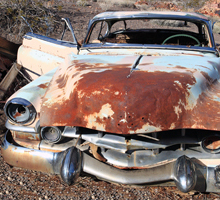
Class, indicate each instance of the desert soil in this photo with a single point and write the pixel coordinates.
(25, 184)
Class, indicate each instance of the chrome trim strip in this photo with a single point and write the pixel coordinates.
(48, 39)
(112, 174)
(147, 46)
(27, 158)
(19, 128)
(118, 142)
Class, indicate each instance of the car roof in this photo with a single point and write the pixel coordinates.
(150, 14)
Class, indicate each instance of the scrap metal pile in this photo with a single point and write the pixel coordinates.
(9, 81)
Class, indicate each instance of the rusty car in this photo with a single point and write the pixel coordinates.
(137, 102)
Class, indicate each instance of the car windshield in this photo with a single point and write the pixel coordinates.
(151, 31)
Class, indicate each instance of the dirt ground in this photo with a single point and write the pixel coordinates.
(25, 184)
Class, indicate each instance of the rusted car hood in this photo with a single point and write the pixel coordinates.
(162, 93)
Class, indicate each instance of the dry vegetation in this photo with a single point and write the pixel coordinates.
(191, 5)
(106, 5)
(44, 16)
(40, 15)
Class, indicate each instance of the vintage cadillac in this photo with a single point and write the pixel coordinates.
(138, 102)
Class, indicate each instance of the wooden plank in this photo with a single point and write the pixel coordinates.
(8, 49)
(8, 46)
(8, 79)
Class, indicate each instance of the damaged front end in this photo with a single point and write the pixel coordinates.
(190, 168)
(129, 120)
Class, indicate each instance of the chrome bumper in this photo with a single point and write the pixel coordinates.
(187, 173)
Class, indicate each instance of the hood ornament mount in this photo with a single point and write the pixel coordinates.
(135, 65)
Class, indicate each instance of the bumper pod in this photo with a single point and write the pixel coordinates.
(187, 173)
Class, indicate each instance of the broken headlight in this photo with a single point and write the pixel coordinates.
(51, 134)
(20, 111)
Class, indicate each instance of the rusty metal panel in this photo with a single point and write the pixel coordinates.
(28, 143)
(25, 139)
(163, 93)
(26, 136)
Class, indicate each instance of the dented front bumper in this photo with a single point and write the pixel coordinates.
(187, 173)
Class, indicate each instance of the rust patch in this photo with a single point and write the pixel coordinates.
(17, 114)
(206, 114)
(180, 67)
(28, 143)
(145, 64)
(95, 153)
(190, 54)
(208, 78)
(147, 166)
(204, 67)
(43, 86)
(25, 136)
(62, 80)
(51, 150)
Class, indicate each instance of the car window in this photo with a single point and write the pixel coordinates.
(155, 24)
(98, 32)
(151, 31)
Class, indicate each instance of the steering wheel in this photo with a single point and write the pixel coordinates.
(182, 35)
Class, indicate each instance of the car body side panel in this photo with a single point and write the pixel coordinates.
(40, 54)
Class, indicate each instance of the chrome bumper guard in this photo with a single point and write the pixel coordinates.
(187, 173)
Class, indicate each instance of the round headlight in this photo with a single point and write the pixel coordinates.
(20, 111)
(51, 134)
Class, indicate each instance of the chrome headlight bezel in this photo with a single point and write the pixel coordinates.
(20, 111)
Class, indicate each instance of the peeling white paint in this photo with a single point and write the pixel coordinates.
(106, 111)
(177, 109)
(146, 128)
(172, 126)
(179, 84)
